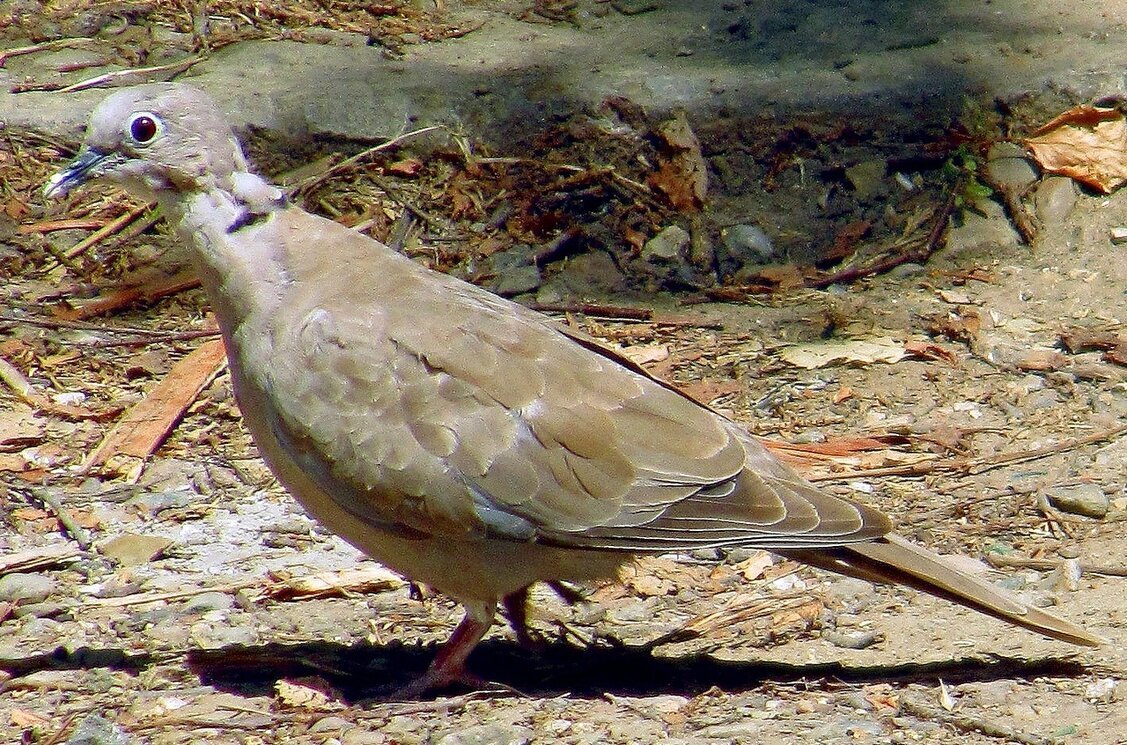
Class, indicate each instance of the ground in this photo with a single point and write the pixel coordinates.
(975, 392)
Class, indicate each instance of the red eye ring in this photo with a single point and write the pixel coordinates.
(143, 128)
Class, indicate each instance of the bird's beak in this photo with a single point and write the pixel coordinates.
(89, 164)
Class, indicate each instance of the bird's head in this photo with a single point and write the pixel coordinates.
(155, 140)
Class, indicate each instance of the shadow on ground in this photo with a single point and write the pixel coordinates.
(363, 671)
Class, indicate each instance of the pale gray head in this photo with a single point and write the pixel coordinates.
(156, 140)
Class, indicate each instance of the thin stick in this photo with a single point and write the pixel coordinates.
(7, 54)
(597, 310)
(312, 182)
(80, 535)
(109, 77)
(58, 323)
(107, 230)
(973, 466)
(968, 723)
(1021, 562)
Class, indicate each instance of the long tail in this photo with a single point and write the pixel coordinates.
(894, 560)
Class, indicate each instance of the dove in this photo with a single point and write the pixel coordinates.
(463, 440)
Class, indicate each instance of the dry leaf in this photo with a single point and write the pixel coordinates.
(305, 693)
(647, 353)
(1041, 360)
(755, 567)
(682, 174)
(859, 351)
(707, 391)
(406, 167)
(930, 351)
(1087, 143)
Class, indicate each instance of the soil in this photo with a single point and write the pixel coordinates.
(962, 402)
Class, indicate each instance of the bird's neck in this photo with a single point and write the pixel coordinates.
(223, 221)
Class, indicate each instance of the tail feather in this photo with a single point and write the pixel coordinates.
(894, 560)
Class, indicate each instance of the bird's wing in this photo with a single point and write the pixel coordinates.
(424, 400)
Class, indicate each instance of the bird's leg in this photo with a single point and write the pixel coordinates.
(515, 607)
(449, 665)
(516, 611)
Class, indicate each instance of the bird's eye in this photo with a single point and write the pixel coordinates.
(143, 128)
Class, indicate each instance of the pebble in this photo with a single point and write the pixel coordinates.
(331, 724)
(867, 178)
(57, 611)
(130, 549)
(488, 734)
(670, 245)
(1008, 167)
(747, 244)
(517, 281)
(981, 231)
(1054, 200)
(209, 601)
(1065, 578)
(850, 640)
(1118, 235)
(847, 589)
(213, 636)
(26, 587)
(96, 730)
(156, 502)
(1088, 500)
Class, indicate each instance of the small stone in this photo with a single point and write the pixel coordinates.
(209, 601)
(216, 635)
(1088, 500)
(96, 730)
(41, 610)
(670, 245)
(1008, 167)
(26, 587)
(1054, 200)
(331, 724)
(747, 244)
(867, 178)
(488, 734)
(1119, 235)
(1065, 578)
(1070, 551)
(850, 640)
(978, 232)
(517, 281)
(847, 589)
(132, 550)
(156, 502)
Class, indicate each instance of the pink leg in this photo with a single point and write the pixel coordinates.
(449, 665)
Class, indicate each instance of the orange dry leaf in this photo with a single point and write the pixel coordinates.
(682, 174)
(930, 351)
(1086, 143)
(145, 426)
